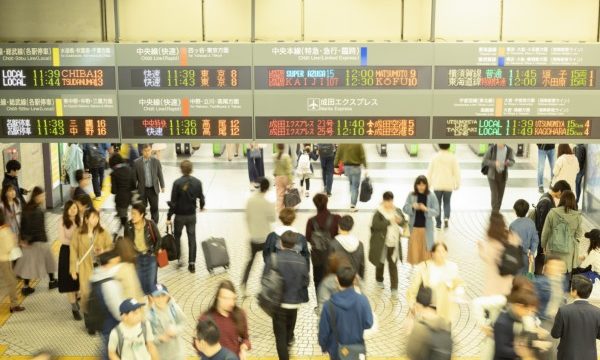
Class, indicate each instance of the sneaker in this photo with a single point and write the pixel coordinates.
(541, 189)
(16, 309)
(307, 194)
(53, 284)
(27, 291)
(77, 315)
(380, 284)
(192, 268)
(446, 223)
(179, 264)
(395, 292)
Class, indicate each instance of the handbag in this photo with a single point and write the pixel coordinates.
(339, 170)
(291, 198)
(15, 253)
(350, 351)
(162, 258)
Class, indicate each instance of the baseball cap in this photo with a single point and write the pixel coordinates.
(130, 305)
(159, 289)
(595, 234)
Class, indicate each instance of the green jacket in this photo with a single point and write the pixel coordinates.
(573, 219)
(283, 167)
(353, 154)
(379, 227)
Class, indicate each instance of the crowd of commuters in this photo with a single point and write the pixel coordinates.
(111, 281)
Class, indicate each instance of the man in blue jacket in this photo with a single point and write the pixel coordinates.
(353, 315)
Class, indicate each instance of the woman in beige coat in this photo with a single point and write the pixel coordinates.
(88, 242)
(491, 250)
(565, 211)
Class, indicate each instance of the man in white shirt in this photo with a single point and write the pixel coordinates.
(132, 338)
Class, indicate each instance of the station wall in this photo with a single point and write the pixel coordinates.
(341, 20)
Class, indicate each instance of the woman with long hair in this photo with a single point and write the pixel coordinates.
(422, 207)
(8, 241)
(566, 167)
(68, 227)
(230, 319)
(283, 174)
(37, 259)
(12, 208)
(87, 243)
(491, 250)
(552, 242)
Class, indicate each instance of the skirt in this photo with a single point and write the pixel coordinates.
(417, 247)
(66, 283)
(36, 263)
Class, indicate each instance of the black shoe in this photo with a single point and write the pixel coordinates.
(541, 189)
(27, 291)
(446, 223)
(16, 309)
(91, 332)
(76, 315)
(192, 268)
(53, 284)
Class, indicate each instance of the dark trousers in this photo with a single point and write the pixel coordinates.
(497, 186)
(97, 179)
(443, 198)
(327, 167)
(307, 181)
(392, 267)
(256, 167)
(189, 221)
(254, 249)
(145, 266)
(578, 181)
(151, 197)
(540, 258)
(319, 271)
(284, 322)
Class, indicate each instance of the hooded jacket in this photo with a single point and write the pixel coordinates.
(353, 315)
(420, 342)
(350, 247)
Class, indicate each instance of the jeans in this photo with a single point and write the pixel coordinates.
(542, 155)
(189, 221)
(150, 196)
(353, 174)
(145, 266)
(284, 322)
(254, 249)
(327, 168)
(97, 179)
(256, 167)
(443, 197)
(578, 181)
(391, 266)
(497, 186)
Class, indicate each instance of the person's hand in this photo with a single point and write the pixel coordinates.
(25, 191)
(398, 219)
(169, 223)
(171, 333)
(366, 173)
(487, 330)
(497, 164)
(74, 275)
(423, 207)
(581, 257)
(162, 190)
(416, 206)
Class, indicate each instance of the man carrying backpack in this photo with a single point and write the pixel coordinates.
(132, 338)
(430, 338)
(320, 232)
(327, 155)
(344, 319)
(546, 203)
(185, 196)
(94, 160)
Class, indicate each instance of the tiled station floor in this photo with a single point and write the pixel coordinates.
(47, 323)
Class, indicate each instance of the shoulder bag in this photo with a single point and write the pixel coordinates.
(346, 352)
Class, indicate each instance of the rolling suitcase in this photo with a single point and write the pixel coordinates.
(215, 254)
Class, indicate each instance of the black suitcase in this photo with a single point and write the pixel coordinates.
(215, 254)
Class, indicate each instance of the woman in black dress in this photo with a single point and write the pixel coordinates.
(69, 225)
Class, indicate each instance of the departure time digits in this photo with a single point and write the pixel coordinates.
(15, 78)
(516, 127)
(183, 78)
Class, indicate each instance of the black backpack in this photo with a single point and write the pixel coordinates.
(97, 312)
(511, 261)
(94, 157)
(321, 238)
(326, 150)
(441, 344)
(272, 287)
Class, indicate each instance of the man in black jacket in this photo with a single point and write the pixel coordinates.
(11, 178)
(543, 207)
(186, 192)
(581, 153)
(578, 324)
(294, 269)
(122, 185)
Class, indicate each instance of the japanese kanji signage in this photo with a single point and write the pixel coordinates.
(528, 91)
(58, 91)
(185, 91)
(337, 91)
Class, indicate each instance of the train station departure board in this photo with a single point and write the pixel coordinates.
(185, 91)
(516, 91)
(373, 92)
(52, 92)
